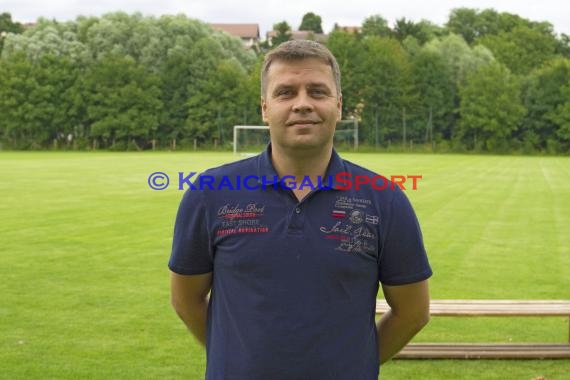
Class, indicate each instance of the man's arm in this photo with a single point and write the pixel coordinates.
(408, 315)
(189, 297)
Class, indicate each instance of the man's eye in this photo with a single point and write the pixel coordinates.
(318, 93)
(284, 93)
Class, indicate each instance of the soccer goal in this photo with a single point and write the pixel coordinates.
(250, 139)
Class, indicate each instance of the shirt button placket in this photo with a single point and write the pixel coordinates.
(296, 224)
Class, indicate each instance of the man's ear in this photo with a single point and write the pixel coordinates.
(263, 109)
(339, 107)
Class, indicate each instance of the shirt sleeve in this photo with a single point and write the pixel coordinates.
(191, 245)
(403, 258)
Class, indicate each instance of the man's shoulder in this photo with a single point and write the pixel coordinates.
(384, 189)
(356, 169)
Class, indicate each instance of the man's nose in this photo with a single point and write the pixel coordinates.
(303, 103)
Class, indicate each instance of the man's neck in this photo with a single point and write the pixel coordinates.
(301, 164)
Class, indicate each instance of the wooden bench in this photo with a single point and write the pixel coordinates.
(494, 308)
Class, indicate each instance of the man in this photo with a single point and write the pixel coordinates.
(294, 268)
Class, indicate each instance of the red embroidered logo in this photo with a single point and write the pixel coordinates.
(338, 214)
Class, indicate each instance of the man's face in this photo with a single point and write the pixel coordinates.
(301, 104)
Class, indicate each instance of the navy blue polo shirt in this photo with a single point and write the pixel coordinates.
(294, 283)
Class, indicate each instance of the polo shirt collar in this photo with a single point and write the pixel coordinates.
(267, 171)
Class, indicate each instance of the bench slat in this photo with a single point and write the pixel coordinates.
(484, 351)
(498, 308)
(492, 308)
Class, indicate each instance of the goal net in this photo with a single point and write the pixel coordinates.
(252, 139)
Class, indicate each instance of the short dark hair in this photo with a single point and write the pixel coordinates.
(296, 50)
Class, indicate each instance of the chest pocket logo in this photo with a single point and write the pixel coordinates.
(353, 226)
(235, 219)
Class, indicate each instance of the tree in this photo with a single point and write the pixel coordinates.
(464, 21)
(191, 56)
(215, 93)
(434, 85)
(311, 22)
(219, 104)
(178, 75)
(405, 28)
(422, 31)
(561, 116)
(387, 90)
(122, 101)
(48, 37)
(431, 30)
(473, 24)
(377, 26)
(563, 45)
(491, 108)
(460, 60)
(411, 45)
(251, 95)
(546, 98)
(522, 49)
(135, 76)
(35, 100)
(17, 83)
(349, 53)
(8, 26)
(283, 33)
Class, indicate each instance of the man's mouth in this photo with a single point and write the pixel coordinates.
(301, 122)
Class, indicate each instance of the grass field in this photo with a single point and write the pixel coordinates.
(84, 283)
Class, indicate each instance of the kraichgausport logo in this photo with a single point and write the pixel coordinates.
(340, 181)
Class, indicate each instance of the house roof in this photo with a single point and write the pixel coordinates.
(239, 30)
(350, 29)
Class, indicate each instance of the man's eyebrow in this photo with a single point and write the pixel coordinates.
(311, 86)
(319, 86)
(282, 86)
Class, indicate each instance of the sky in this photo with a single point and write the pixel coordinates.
(268, 12)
